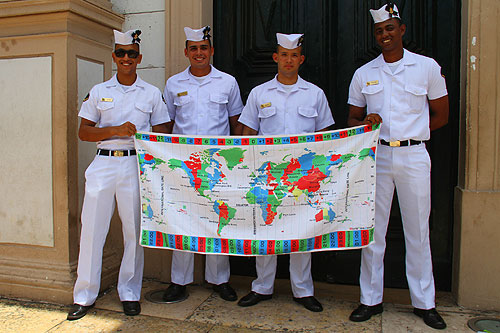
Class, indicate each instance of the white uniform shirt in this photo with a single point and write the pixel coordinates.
(400, 98)
(109, 105)
(270, 109)
(202, 108)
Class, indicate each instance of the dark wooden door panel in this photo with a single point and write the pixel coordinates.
(245, 32)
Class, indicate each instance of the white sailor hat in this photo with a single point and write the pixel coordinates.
(385, 13)
(197, 35)
(290, 41)
(127, 38)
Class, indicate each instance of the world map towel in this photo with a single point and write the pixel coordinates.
(258, 195)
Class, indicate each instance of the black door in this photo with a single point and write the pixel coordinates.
(339, 39)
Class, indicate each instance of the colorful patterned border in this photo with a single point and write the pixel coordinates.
(333, 240)
(253, 140)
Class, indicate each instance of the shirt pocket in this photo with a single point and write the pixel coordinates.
(374, 96)
(218, 102)
(183, 108)
(106, 113)
(417, 96)
(307, 119)
(104, 106)
(181, 101)
(142, 117)
(269, 122)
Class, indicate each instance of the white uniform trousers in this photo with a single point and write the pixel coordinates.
(107, 177)
(408, 169)
(217, 268)
(300, 274)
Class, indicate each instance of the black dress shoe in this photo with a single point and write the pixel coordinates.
(131, 308)
(175, 293)
(226, 292)
(253, 298)
(431, 318)
(78, 311)
(310, 303)
(364, 312)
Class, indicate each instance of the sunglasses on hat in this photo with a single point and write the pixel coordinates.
(132, 54)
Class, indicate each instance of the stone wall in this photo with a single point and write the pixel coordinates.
(477, 196)
(42, 44)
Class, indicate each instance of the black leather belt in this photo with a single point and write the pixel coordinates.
(117, 153)
(398, 143)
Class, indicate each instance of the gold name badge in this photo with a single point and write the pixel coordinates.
(265, 105)
(104, 99)
(184, 93)
(372, 83)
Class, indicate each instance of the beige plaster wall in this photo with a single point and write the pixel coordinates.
(28, 270)
(478, 268)
(26, 198)
(477, 196)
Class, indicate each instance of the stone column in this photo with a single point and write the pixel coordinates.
(477, 197)
(51, 53)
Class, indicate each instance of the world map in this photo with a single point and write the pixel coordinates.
(260, 191)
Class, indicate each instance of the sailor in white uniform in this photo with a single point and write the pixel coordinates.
(285, 105)
(201, 100)
(407, 92)
(110, 115)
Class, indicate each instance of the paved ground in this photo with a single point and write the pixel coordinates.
(204, 311)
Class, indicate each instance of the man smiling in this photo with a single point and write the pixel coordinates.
(201, 100)
(408, 93)
(110, 114)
